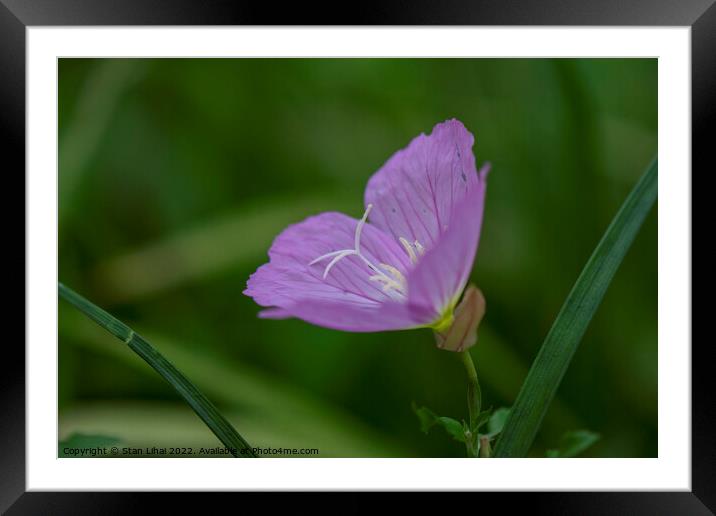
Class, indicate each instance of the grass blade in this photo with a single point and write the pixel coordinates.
(206, 410)
(276, 411)
(563, 338)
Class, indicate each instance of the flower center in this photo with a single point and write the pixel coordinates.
(391, 279)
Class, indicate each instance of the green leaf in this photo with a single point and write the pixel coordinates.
(574, 443)
(274, 411)
(429, 419)
(497, 421)
(85, 445)
(204, 408)
(453, 427)
(482, 419)
(562, 341)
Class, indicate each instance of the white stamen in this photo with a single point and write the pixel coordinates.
(420, 248)
(393, 281)
(327, 255)
(388, 284)
(391, 288)
(342, 253)
(338, 258)
(395, 273)
(409, 249)
(370, 265)
(359, 228)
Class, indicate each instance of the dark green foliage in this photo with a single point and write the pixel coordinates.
(175, 176)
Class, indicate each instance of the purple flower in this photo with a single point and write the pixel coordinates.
(404, 264)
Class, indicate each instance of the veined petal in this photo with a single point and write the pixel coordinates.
(442, 273)
(415, 192)
(294, 286)
(387, 316)
(405, 268)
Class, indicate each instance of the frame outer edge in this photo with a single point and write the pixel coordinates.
(12, 146)
(703, 386)
(12, 135)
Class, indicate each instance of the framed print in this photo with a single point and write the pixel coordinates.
(431, 251)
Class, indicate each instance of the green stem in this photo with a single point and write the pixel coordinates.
(204, 408)
(471, 445)
(474, 401)
(474, 395)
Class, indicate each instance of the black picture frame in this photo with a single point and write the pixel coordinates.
(16, 15)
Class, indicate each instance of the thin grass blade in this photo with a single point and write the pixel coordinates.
(204, 408)
(562, 341)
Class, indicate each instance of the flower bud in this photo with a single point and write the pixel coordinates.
(462, 333)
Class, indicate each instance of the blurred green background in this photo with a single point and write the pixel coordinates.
(175, 175)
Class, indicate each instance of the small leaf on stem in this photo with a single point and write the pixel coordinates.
(497, 421)
(429, 419)
(573, 443)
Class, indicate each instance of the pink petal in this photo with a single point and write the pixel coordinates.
(442, 273)
(352, 317)
(294, 288)
(415, 192)
(428, 194)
